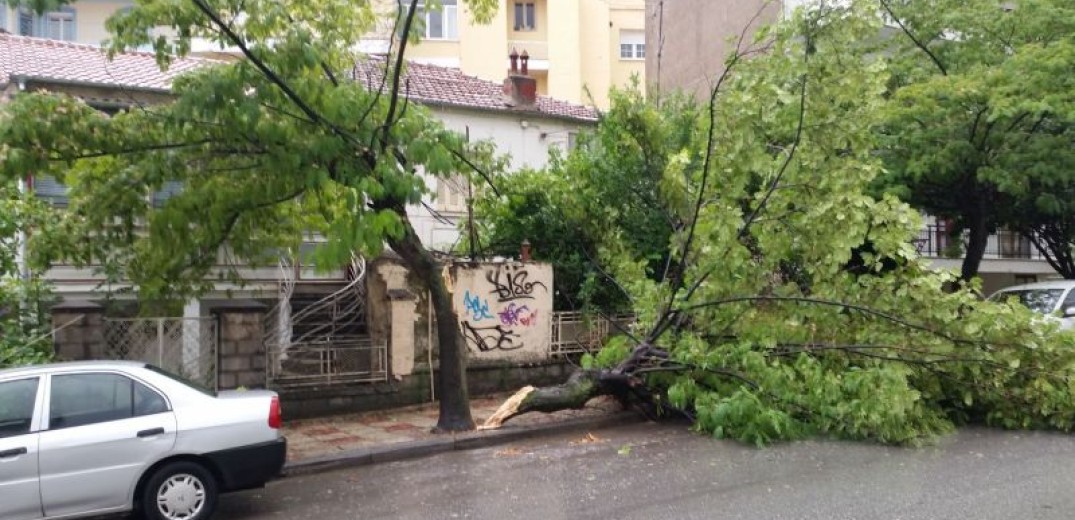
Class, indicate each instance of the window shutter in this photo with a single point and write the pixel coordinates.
(26, 23)
(49, 189)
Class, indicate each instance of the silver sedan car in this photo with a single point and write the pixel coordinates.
(89, 438)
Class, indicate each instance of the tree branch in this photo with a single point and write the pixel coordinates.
(919, 44)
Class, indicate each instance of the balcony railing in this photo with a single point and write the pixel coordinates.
(936, 241)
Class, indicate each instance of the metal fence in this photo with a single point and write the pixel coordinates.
(575, 332)
(936, 241)
(357, 360)
(185, 346)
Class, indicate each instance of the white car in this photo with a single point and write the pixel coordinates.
(94, 437)
(1054, 298)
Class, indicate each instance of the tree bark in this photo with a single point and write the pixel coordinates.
(580, 387)
(620, 382)
(451, 383)
(978, 230)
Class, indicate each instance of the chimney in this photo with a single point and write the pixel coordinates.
(524, 251)
(520, 90)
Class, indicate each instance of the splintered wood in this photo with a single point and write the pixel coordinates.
(506, 410)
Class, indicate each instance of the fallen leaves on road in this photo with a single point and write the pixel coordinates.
(588, 439)
(508, 452)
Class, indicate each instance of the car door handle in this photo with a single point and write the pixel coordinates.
(12, 453)
(150, 432)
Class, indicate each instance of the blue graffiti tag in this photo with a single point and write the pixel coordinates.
(477, 308)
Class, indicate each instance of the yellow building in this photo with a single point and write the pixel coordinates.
(578, 49)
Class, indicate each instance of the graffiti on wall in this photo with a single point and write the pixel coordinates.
(504, 309)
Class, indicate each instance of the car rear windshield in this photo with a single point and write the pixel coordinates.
(175, 377)
(1037, 300)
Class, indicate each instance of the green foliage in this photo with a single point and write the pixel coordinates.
(883, 351)
(267, 150)
(575, 218)
(24, 297)
(983, 108)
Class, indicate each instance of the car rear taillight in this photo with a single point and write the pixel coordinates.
(275, 415)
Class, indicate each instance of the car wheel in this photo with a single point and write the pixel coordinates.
(179, 491)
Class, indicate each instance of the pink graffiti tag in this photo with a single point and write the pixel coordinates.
(518, 315)
(529, 320)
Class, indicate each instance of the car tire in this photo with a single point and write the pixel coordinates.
(179, 491)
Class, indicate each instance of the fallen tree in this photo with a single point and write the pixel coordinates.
(793, 303)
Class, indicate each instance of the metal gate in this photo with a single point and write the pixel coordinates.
(184, 346)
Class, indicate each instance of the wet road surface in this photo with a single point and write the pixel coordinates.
(650, 471)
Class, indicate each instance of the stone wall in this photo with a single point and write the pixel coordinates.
(79, 327)
(242, 345)
(318, 401)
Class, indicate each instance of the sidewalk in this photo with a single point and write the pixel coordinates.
(370, 437)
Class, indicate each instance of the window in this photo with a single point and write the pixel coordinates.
(59, 25)
(180, 379)
(1069, 302)
(17, 400)
(452, 194)
(632, 45)
(525, 16)
(56, 25)
(26, 23)
(167, 191)
(1042, 301)
(81, 399)
(439, 22)
(49, 189)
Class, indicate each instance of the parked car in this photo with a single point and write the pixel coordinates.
(1054, 298)
(95, 437)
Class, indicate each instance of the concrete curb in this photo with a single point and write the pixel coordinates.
(450, 442)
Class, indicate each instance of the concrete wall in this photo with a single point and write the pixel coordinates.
(686, 40)
(505, 310)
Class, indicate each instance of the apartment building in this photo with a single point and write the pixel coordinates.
(578, 49)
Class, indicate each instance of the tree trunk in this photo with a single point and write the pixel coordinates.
(582, 386)
(620, 382)
(978, 231)
(451, 383)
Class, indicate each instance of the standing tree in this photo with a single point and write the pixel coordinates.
(604, 197)
(777, 173)
(276, 143)
(980, 104)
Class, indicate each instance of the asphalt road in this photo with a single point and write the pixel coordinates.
(649, 471)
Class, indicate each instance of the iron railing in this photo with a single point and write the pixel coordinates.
(317, 363)
(936, 241)
(574, 332)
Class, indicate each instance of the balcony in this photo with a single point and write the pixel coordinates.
(934, 241)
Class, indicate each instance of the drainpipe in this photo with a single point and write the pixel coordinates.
(21, 264)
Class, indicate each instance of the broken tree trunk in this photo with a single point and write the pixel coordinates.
(580, 388)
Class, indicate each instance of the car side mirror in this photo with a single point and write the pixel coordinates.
(1069, 312)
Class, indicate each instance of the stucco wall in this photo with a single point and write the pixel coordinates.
(505, 310)
(525, 138)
